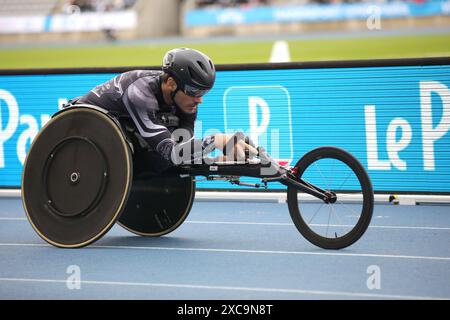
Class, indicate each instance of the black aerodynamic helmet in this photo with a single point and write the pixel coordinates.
(193, 71)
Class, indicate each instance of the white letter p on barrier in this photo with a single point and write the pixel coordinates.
(255, 129)
(430, 134)
(11, 126)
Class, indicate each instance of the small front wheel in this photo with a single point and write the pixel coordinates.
(341, 222)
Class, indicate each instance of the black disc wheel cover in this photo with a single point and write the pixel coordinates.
(158, 205)
(76, 178)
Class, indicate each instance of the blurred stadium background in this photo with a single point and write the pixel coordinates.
(105, 33)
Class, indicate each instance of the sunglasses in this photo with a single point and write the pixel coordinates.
(194, 92)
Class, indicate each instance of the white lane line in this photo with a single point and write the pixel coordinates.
(278, 252)
(276, 224)
(229, 288)
(313, 225)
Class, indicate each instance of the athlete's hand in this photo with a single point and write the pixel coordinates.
(235, 146)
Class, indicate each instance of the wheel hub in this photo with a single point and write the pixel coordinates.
(331, 197)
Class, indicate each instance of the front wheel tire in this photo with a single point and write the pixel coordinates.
(332, 225)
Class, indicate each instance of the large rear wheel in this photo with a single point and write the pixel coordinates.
(76, 177)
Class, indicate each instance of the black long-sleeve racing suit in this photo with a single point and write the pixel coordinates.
(138, 94)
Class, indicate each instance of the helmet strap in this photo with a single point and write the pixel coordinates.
(172, 96)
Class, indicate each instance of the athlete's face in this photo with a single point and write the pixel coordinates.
(187, 104)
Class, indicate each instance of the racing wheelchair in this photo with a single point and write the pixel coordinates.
(80, 177)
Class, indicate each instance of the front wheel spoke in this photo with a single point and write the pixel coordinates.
(328, 224)
(332, 172)
(314, 215)
(335, 214)
(323, 177)
(349, 208)
(342, 184)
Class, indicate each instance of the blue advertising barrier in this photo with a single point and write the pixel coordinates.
(314, 13)
(394, 116)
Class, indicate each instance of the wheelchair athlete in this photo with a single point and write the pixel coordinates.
(163, 107)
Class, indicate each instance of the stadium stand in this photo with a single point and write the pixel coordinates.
(79, 20)
(27, 7)
(251, 17)
(24, 21)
